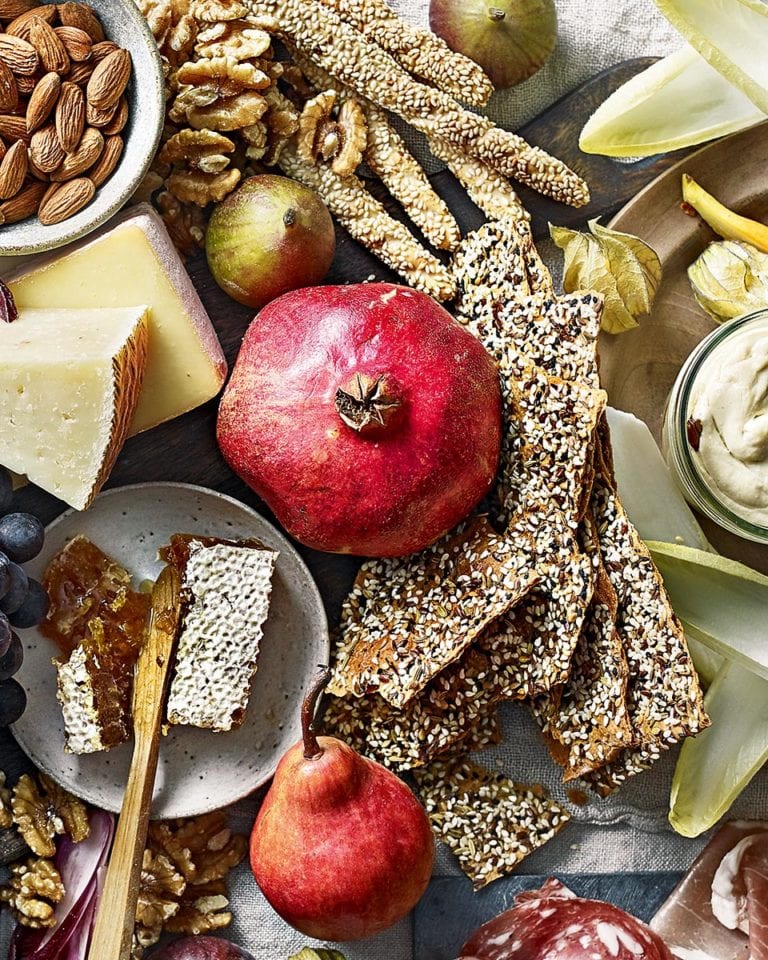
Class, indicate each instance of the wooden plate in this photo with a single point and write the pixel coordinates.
(198, 770)
(639, 367)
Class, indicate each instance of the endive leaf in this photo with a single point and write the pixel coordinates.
(722, 603)
(678, 102)
(717, 765)
(731, 35)
(650, 496)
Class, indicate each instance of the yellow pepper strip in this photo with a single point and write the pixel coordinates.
(728, 224)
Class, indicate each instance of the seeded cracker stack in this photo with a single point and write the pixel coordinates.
(591, 642)
(225, 590)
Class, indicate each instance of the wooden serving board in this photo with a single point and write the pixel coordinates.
(185, 449)
(638, 368)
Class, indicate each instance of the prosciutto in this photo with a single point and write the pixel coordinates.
(719, 911)
(554, 924)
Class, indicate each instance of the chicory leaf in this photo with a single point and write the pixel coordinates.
(715, 766)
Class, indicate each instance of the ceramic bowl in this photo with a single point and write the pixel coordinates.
(198, 770)
(123, 23)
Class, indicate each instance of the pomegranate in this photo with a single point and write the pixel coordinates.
(365, 416)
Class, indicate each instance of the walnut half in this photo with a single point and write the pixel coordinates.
(33, 890)
(41, 813)
(183, 879)
(339, 140)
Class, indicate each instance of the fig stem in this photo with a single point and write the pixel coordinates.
(312, 749)
(495, 14)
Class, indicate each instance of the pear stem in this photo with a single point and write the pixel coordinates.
(495, 14)
(312, 749)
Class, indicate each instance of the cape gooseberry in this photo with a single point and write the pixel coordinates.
(510, 39)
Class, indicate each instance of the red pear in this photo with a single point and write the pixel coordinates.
(341, 848)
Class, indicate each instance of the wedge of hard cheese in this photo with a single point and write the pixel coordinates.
(133, 261)
(69, 386)
(225, 590)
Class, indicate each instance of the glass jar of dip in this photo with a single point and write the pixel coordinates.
(715, 432)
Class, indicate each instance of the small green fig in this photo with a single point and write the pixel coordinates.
(270, 236)
(510, 39)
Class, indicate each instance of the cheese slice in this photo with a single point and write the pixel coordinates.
(134, 262)
(69, 385)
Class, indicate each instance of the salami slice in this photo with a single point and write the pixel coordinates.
(554, 924)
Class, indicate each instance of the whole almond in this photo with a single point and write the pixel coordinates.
(13, 128)
(52, 52)
(70, 116)
(3, 148)
(88, 152)
(13, 170)
(81, 72)
(99, 118)
(109, 79)
(26, 85)
(42, 101)
(24, 204)
(62, 200)
(77, 43)
(18, 54)
(119, 119)
(10, 9)
(45, 151)
(81, 16)
(113, 149)
(101, 50)
(9, 91)
(20, 26)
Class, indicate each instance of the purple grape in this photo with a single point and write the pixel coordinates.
(21, 536)
(13, 702)
(5, 575)
(11, 662)
(34, 608)
(5, 634)
(17, 592)
(6, 491)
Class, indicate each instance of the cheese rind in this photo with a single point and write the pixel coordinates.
(69, 386)
(134, 262)
(226, 588)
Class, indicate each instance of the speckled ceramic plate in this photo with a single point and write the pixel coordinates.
(198, 770)
(123, 23)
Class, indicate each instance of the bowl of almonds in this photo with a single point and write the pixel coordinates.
(81, 112)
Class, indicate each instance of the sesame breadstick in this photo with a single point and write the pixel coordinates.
(371, 72)
(486, 188)
(420, 52)
(369, 223)
(389, 158)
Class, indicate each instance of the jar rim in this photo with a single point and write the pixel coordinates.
(677, 415)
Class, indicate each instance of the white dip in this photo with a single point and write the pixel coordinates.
(730, 400)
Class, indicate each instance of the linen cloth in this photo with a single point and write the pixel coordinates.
(624, 833)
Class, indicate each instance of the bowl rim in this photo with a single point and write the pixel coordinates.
(11, 248)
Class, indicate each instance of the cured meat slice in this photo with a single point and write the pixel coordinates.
(687, 921)
(554, 924)
(755, 873)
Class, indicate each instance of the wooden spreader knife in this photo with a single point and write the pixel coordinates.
(116, 911)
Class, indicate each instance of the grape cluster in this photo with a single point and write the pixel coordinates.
(23, 601)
